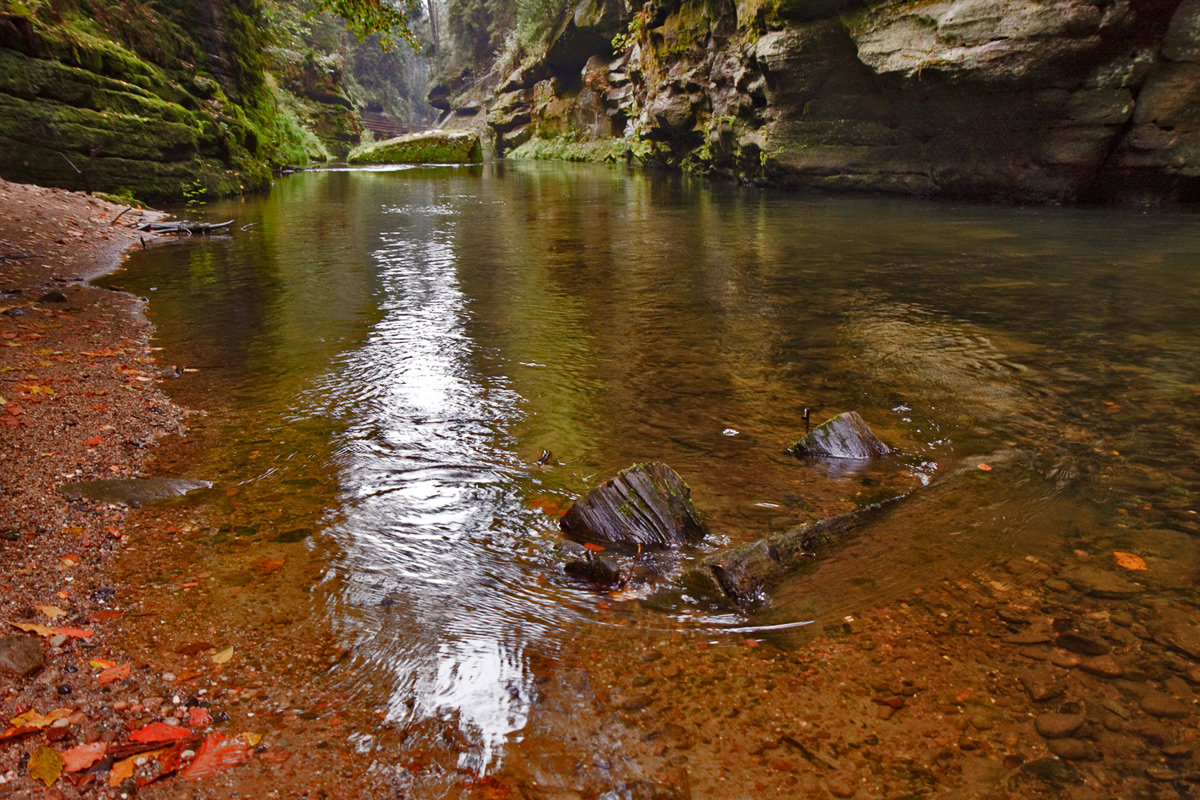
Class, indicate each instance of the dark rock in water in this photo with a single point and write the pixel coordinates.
(596, 571)
(20, 655)
(293, 536)
(53, 297)
(845, 436)
(1083, 644)
(644, 506)
(134, 492)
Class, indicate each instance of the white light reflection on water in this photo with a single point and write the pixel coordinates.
(424, 469)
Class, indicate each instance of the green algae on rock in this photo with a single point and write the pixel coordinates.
(426, 147)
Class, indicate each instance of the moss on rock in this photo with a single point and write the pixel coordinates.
(428, 147)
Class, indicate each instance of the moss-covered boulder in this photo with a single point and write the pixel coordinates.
(427, 147)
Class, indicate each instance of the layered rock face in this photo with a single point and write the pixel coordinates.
(1010, 100)
(159, 102)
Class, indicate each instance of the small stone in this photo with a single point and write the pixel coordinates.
(1056, 585)
(981, 721)
(1102, 666)
(1074, 749)
(1099, 582)
(20, 655)
(1061, 658)
(1083, 644)
(1041, 685)
(1057, 726)
(1031, 636)
(58, 640)
(1161, 704)
(1177, 751)
(885, 712)
(53, 297)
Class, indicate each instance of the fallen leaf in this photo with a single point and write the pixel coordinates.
(101, 663)
(74, 633)
(83, 756)
(32, 719)
(1129, 560)
(195, 648)
(33, 627)
(123, 770)
(215, 755)
(53, 612)
(92, 442)
(159, 732)
(199, 717)
(223, 656)
(45, 765)
(251, 739)
(985, 467)
(595, 548)
(113, 674)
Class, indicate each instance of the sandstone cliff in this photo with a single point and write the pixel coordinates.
(1012, 100)
(159, 100)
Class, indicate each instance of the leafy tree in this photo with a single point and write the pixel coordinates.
(366, 17)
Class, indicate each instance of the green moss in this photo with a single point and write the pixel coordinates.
(431, 147)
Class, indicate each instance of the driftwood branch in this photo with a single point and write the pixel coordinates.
(183, 226)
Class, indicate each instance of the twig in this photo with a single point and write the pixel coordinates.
(118, 216)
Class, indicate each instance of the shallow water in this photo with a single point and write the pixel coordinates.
(385, 354)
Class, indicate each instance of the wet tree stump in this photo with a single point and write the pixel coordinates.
(645, 506)
(845, 436)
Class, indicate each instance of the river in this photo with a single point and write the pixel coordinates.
(383, 355)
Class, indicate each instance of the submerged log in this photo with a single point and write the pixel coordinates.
(183, 226)
(745, 573)
(845, 436)
(644, 506)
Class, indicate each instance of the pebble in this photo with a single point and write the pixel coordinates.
(1083, 644)
(1031, 636)
(1057, 726)
(1099, 582)
(1061, 658)
(1102, 666)
(1074, 749)
(1041, 684)
(1161, 704)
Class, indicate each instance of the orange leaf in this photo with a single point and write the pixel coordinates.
(75, 633)
(123, 770)
(92, 442)
(268, 565)
(217, 754)
(83, 756)
(595, 548)
(32, 719)
(33, 627)
(1129, 560)
(113, 674)
(985, 467)
(159, 732)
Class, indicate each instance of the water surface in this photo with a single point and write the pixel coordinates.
(383, 355)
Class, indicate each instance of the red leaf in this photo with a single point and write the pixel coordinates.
(74, 633)
(595, 548)
(217, 754)
(92, 442)
(158, 732)
(113, 674)
(83, 756)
